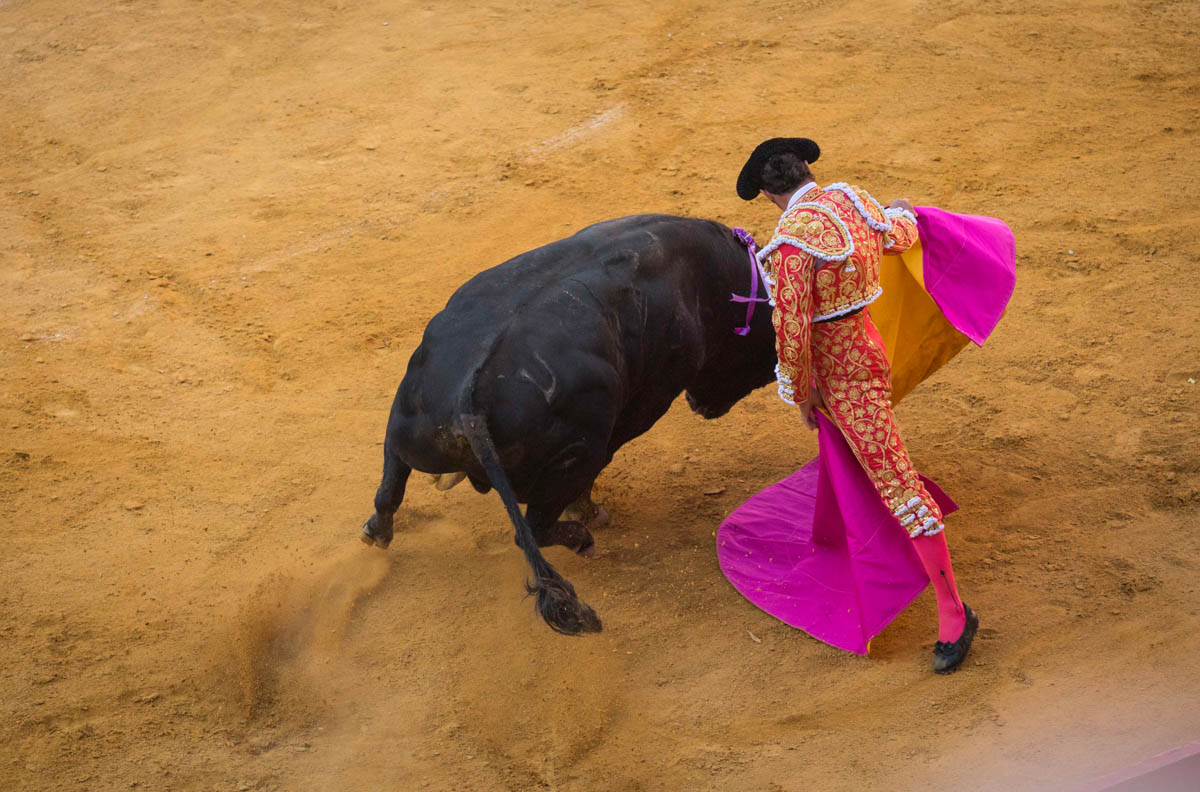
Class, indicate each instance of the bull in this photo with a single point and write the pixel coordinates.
(539, 369)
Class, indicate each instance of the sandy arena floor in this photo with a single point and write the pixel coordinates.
(225, 225)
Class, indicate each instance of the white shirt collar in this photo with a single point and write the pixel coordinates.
(796, 196)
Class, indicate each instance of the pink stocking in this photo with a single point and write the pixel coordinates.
(935, 557)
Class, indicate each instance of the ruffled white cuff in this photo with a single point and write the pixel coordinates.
(896, 211)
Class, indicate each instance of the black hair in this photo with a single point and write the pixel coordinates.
(783, 173)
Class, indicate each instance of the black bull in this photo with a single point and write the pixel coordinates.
(539, 369)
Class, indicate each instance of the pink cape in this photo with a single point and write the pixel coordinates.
(819, 550)
(970, 268)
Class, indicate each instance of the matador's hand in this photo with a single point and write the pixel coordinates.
(813, 402)
(902, 203)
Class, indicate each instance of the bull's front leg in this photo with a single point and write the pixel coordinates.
(378, 529)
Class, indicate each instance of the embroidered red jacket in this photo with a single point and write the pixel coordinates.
(823, 262)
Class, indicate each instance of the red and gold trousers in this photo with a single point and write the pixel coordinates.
(852, 373)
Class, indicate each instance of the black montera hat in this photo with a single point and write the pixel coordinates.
(750, 179)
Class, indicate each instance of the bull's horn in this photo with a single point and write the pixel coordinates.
(447, 480)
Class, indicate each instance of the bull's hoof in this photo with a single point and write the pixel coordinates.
(600, 519)
(569, 534)
(369, 537)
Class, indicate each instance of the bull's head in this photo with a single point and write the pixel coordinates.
(739, 355)
(734, 367)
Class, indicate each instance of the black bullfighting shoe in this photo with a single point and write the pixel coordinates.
(949, 655)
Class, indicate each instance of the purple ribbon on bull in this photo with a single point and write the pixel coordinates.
(752, 247)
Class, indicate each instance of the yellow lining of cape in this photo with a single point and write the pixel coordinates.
(918, 338)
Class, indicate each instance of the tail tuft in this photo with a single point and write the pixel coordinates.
(556, 600)
(561, 609)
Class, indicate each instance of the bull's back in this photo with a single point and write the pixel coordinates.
(562, 335)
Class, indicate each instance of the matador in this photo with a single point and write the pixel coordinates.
(822, 270)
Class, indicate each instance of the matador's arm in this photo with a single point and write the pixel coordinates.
(904, 230)
(793, 321)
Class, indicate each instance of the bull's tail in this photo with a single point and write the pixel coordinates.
(555, 597)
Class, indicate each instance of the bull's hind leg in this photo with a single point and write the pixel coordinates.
(572, 534)
(378, 529)
(586, 511)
